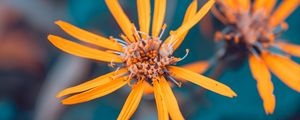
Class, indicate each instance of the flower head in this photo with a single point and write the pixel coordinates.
(140, 59)
(253, 29)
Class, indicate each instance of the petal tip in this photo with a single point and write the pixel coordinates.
(51, 37)
(59, 95)
(58, 22)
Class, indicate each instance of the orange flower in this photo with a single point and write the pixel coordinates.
(254, 28)
(140, 59)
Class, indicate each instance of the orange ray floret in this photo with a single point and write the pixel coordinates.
(289, 48)
(269, 6)
(160, 102)
(97, 91)
(203, 81)
(121, 18)
(82, 51)
(284, 10)
(173, 39)
(144, 15)
(232, 4)
(281, 67)
(104, 79)
(197, 67)
(171, 101)
(132, 101)
(190, 12)
(88, 37)
(265, 5)
(265, 86)
(244, 5)
(158, 16)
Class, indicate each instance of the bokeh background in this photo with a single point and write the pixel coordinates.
(32, 71)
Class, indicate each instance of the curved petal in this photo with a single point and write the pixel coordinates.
(89, 37)
(132, 101)
(144, 11)
(82, 51)
(171, 101)
(265, 86)
(266, 5)
(283, 11)
(203, 81)
(285, 69)
(191, 11)
(92, 83)
(289, 48)
(197, 67)
(160, 102)
(173, 39)
(121, 18)
(158, 16)
(97, 92)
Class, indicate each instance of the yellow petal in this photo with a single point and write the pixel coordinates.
(132, 101)
(187, 26)
(259, 4)
(121, 18)
(97, 92)
(265, 86)
(203, 81)
(289, 48)
(158, 16)
(171, 102)
(144, 10)
(285, 69)
(197, 67)
(266, 5)
(244, 5)
(160, 102)
(89, 37)
(283, 11)
(269, 6)
(232, 4)
(92, 83)
(148, 88)
(82, 51)
(191, 11)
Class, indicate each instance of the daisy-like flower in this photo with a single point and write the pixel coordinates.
(140, 59)
(253, 29)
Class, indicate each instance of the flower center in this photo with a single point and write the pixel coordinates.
(250, 31)
(146, 59)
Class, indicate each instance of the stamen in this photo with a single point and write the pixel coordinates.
(124, 38)
(112, 64)
(254, 53)
(179, 84)
(163, 30)
(117, 41)
(136, 33)
(114, 52)
(121, 41)
(117, 69)
(186, 54)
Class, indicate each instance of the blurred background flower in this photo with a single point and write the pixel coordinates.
(32, 71)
